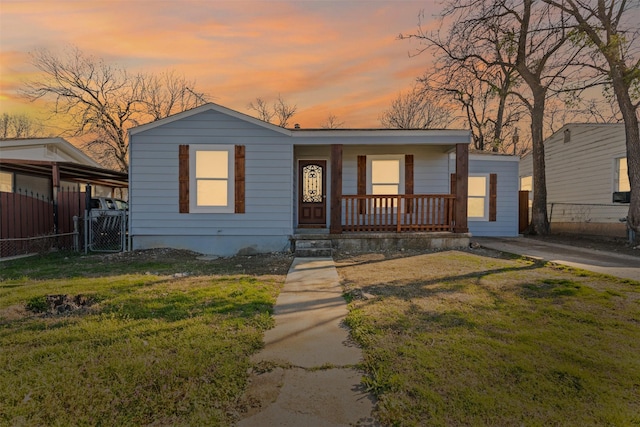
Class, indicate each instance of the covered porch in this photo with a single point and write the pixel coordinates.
(340, 192)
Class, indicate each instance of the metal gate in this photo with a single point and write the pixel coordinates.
(106, 230)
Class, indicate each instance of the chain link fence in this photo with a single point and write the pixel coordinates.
(106, 231)
(36, 223)
(40, 244)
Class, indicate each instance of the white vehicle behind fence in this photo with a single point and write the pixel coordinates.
(108, 219)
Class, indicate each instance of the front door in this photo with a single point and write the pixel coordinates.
(312, 196)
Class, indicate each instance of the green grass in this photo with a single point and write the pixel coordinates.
(473, 340)
(149, 348)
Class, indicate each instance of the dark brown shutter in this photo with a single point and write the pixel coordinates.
(493, 196)
(453, 183)
(183, 178)
(408, 181)
(239, 179)
(362, 183)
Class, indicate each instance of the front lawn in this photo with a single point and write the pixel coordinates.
(454, 338)
(142, 338)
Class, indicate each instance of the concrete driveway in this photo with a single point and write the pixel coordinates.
(622, 266)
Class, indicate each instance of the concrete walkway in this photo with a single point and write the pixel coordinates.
(618, 265)
(306, 373)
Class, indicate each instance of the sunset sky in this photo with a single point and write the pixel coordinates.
(327, 57)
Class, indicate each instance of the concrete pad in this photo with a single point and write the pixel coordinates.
(314, 382)
(332, 397)
(309, 313)
(618, 265)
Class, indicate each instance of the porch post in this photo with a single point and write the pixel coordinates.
(55, 181)
(336, 189)
(462, 184)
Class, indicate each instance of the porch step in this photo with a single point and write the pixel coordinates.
(314, 248)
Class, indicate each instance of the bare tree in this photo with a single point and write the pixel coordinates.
(20, 126)
(260, 106)
(417, 109)
(611, 30)
(169, 93)
(103, 101)
(483, 89)
(526, 36)
(281, 110)
(332, 122)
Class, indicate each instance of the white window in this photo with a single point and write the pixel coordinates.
(385, 174)
(211, 178)
(6, 182)
(526, 183)
(622, 175)
(478, 202)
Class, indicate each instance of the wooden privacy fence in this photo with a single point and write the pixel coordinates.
(398, 213)
(32, 222)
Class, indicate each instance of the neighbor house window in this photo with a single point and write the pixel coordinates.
(211, 178)
(622, 175)
(6, 182)
(526, 183)
(478, 202)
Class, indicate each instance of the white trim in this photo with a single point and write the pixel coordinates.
(203, 108)
(193, 182)
(489, 157)
(487, 198)
(444, 137)
(401, 161)
(616, 173)
(62, 146)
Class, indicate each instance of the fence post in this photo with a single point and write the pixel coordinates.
(123, 237)
(75, 233)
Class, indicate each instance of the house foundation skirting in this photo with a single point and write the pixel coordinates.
(379, 242)
(607, 229)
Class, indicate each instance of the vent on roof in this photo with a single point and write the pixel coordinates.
(567, 135)
(296, 126)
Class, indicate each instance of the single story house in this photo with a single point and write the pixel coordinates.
(217, 181)
(587, 181)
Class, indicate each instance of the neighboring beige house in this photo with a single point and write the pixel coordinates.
(587, 180)
(26, 165)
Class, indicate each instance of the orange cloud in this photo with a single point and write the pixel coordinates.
(338, 57)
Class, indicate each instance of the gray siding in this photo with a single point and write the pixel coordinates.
(155, 221)
(506, 224)
(430, 175)
(581, 171)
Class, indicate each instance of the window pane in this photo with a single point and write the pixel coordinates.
(6, 181)
(475, 208)
(212, 164)
(384, 189)
(211, 192)
(385, 171)
(526, 183)
(478, 186)
(623, 175)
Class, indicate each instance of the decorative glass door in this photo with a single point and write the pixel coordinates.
(312, 197)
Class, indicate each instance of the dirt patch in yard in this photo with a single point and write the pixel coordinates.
(193, 262)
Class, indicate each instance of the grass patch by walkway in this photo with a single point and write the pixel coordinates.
(455, 338)
(161, 338)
